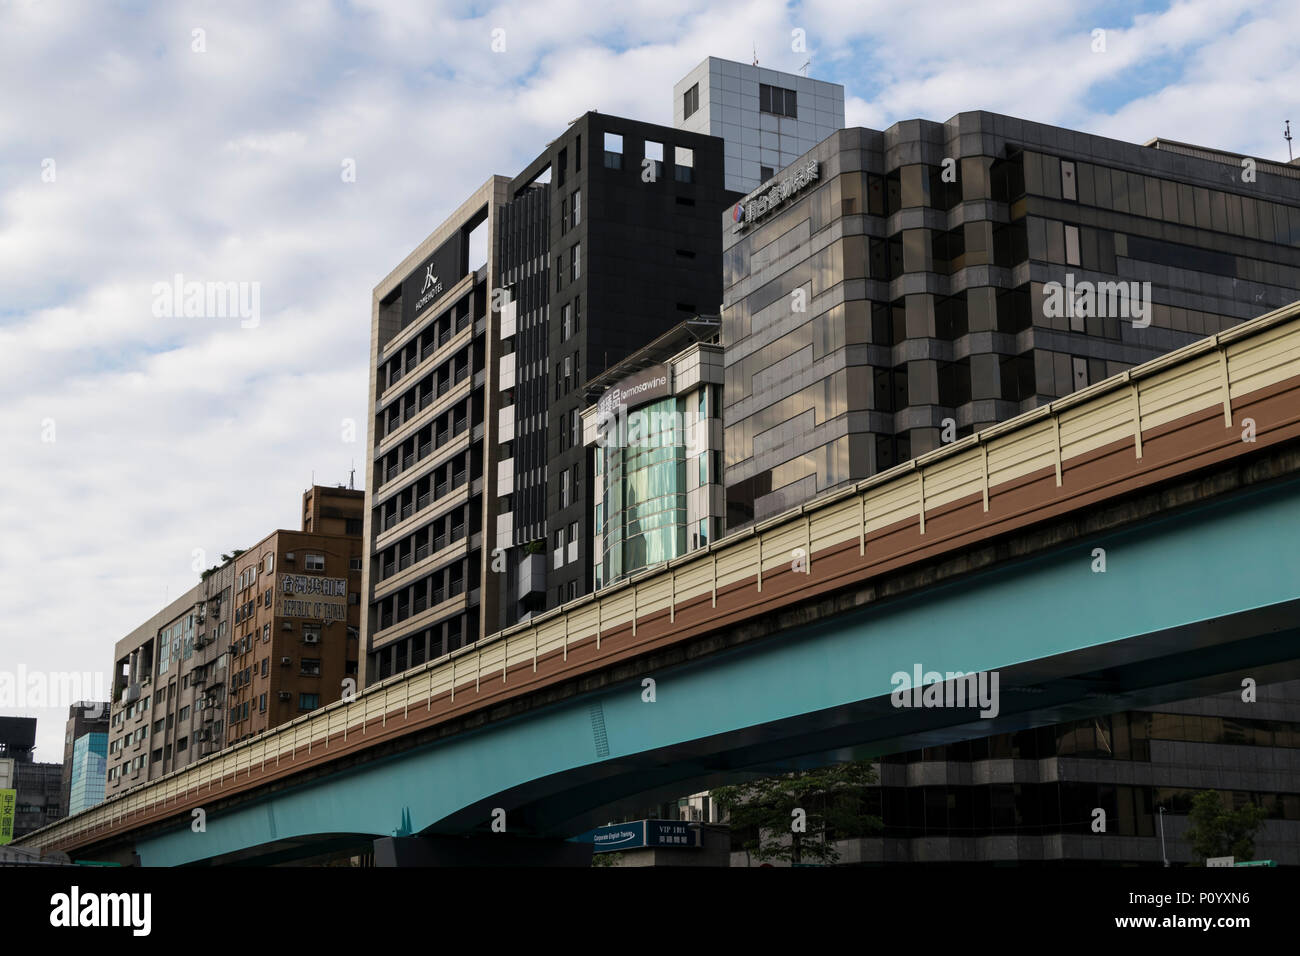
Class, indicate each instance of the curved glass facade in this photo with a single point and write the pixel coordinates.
(642, 516)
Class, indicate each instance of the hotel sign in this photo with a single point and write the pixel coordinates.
(306, 595)
(759, 204)
(646, 386)
(436, 274)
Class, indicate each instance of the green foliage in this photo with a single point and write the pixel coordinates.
(831, 797)
(1217, 830)
(606, 859)
(225, 559)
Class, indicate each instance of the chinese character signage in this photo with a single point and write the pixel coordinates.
(8, 809)
(307, 595)
(758, 204)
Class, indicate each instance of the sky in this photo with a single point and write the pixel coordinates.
(301, 150)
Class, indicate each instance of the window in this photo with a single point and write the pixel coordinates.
(352, 526)
(564, 488)
(654, 154)
(311, 666)
(577, 155)
(566, 321)
(184, 713)
(308, 701)
(315, 562)
(267, 601)
(575, 262)
(354, 564)
(562, 167)
(559, 271)
(266, 632)
(576, 206)
(1072, 245)
(613, 151)
(1068, 181)
(266, 665)
(261, 704)
(690, 101)
(765, 173)
(577, 313)
(683, 164)
(564, 215)
(777, 101)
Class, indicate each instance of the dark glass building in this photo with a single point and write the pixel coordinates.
(892, 291)
(610, 238)
(895, 290)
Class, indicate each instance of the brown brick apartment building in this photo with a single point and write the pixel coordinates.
(297, 615)
(180, 677)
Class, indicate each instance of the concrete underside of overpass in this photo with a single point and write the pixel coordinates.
(1200, 592)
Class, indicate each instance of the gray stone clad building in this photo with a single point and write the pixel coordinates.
(892, 290)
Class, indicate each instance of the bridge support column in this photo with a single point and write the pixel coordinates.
(494, 850)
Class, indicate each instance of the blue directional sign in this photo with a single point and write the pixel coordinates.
(639, 834)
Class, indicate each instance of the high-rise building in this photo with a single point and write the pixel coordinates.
(608, 239)
(432, 435)
(767, 118)
(894, 290)
(85, 749)
(654, 432)
(891, 291)
(180, 676)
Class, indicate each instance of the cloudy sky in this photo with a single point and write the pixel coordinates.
(140, 141)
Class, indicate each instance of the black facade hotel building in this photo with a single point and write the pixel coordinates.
(610, 237)
(892, 290)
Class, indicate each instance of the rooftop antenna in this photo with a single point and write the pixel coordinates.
(1287, 136)
(352, 476)
(756, 54)
(804, 69)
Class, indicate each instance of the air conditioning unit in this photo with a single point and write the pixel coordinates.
(311, 638)
(285, 695)
(286, 661)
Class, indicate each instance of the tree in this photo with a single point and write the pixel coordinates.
(1217, 830)
(813, 807)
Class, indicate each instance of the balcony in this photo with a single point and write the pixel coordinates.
(532, 575)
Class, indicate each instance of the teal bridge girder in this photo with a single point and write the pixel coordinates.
(1191, 602)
